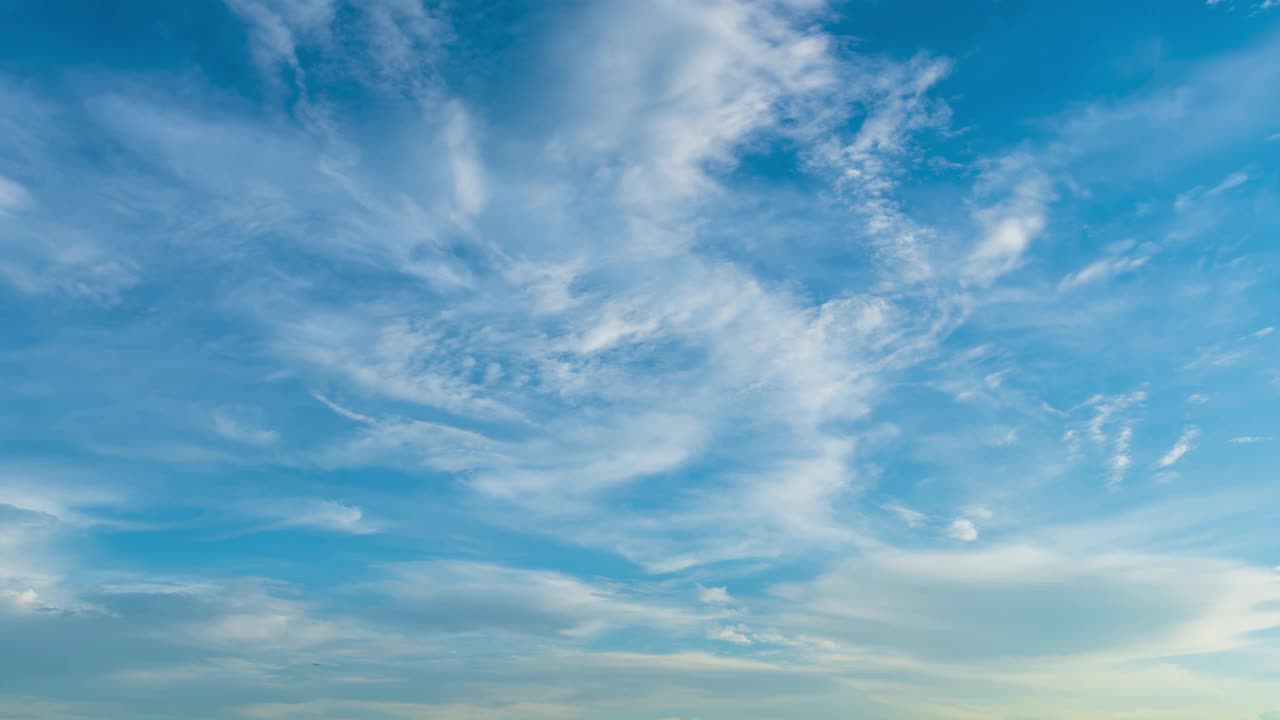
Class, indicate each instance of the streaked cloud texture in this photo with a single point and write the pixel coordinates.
(662, 360)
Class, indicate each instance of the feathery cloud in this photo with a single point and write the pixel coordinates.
(1184, 444)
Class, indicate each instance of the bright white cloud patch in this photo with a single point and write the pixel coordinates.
(714, 595)
(962, 529)
(1011, 224)
(1180, 448)
(1122, 258)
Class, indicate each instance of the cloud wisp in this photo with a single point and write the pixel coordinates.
(688, 360)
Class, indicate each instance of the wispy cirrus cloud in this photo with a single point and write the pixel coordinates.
(14, 197)
(1185, 443)
(228, 424)
(910, 518)
(594, 361)
(1014, 221)
(461, 596)
(328, 515)
(1124, 258)
(1247, 439)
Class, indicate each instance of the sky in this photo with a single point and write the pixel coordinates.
(654, 360)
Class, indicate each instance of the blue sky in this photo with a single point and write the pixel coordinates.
(699, 360)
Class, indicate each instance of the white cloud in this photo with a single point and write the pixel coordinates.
(410, 710)
(1248, 439)
(66, 495)
(1120, 459)
(405, 41)
(1071, 439)
(730, 635)
(1197, 399)
(1003, 436)
(232, 425)
(414, 444)
(1017, 218)
(633, 158)
(584, 460)
(1180, 448)
(867, 164)
(762, 356)
(1217, 357)
(1178, 123)
(33, 573)
(534, 367)
(318, 514)
(344, 412)
(26, 600)
(281, 26)
(1107, 268)
(714, 595)
(1264, 332)
(1233, 180)
(962, 529)
(252, 619)
(457, 596)
(13, 196)
(983, 605)
(470, 191)
(981, 513)
(799, 495)
(1108, 407)
(45, 256)
(673, 89)
(414, 360)
(909, 517)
